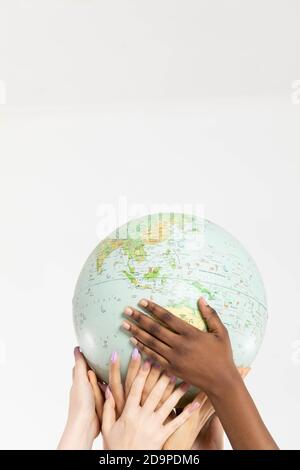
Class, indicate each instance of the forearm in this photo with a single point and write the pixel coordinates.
(76, 436)
(239, 416)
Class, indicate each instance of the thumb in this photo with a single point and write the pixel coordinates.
(210, 316)
(109, 411)
(80, 363)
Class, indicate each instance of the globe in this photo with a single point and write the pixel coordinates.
(172, 259)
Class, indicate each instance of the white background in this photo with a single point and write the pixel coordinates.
(160, 102)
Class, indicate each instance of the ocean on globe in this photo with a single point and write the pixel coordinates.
(172, 259)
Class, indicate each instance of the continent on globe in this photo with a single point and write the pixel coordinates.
(172, 259)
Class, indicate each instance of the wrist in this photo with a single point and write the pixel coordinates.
(78, 434)
(228, 382)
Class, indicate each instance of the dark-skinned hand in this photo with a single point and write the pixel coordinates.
(201, 358)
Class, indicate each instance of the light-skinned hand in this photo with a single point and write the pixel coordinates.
(143, 426)
(85, 408)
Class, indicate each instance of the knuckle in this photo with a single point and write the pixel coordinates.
(150, 342)
(166, 316)
(173, 358)
(137, 316)
(154, 309)
(151, 306)
(154, 329)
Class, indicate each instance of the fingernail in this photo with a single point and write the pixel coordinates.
(76, 351)
(184, 386)
(156, 365)
(194, 406)
(143, 302)
(146, 365)
(114, 357)
(135, 353)
(126, 325)
(173, 379)
(128, 311)
(107, 392)
(133, 340)
(204, 301)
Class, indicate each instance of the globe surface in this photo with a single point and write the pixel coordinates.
(172, 259)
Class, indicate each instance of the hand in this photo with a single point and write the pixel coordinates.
(143, 426)
(203, 359)
(85, 408)
(120, 392)
(184, 437)
(211, 436)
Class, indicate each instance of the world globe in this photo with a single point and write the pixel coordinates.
(172, 259)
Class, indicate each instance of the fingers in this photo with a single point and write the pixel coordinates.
(151, 326)
(99, 400)
(169, 390)
(152, 379)
(115, 382)
(156, 394)
(133, 368)
(145, 338)
(173, 425)
(151, 354)
(176, 324)
(135, 394)
(206, 411)
(185, 436)
(166, 408)
(109, 413)
(212, 319)
(81, 367)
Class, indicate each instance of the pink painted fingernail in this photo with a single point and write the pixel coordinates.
(146, 365)
(173, 379)
(184, 386)
(128, 311)
(114, 357)
(126, 325)
(194, 406)
(143, 302)
(107, 392)
(135, 353)
(76, 351)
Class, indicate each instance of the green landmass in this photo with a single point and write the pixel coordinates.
(131, 277)
(152, 273)
(203, 290)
